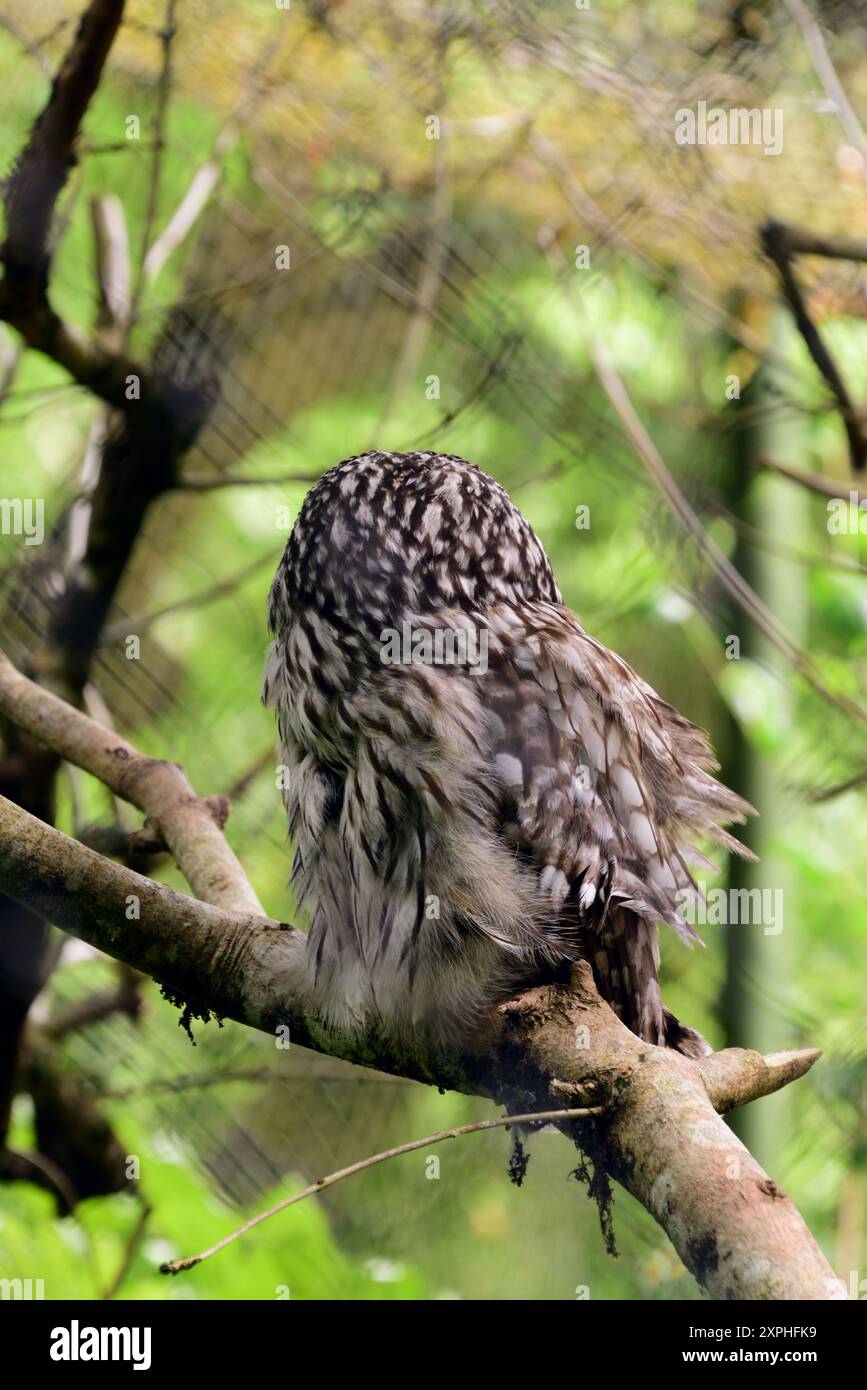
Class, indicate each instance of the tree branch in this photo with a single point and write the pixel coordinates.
(44, 164)
(741, 592)
(30, 196)
(140, 622)
(321, 1184)
(191, 826)
(813, 482)
(778, 243)
(554, 1047)
(827, 74)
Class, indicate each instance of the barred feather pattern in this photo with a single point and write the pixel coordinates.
(463, 830)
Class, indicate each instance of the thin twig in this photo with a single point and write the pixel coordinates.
(98, 1006)
(141, 622)
(827, 74)
(8, 371)
(111, 244)
(175, 1084)
(236, 480)
(30, 49)
(177, 1266)
(685, 292)
(242, 784)
(183, 219)
(167, 34)
(132, 1245)
(829, 793)
(787, 552)
(18, 1166)
(814, 482)
(742, 593)
(207, 178)
(429, 284)
(111, 248)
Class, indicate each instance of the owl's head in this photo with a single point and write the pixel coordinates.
(384, 535)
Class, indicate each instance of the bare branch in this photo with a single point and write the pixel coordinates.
(16, 1166)
(167, 35)
(809, 559)
(178, 1266)
(44, 164)
(746, 598)
(735, 1077)
(347, 1076)
(11, 361)
(829, 793)
(138, 623)
(32, 49)
(112, 269)
(814, 482)
(827, 74)
(660, 1136)
(183, 219)
(135, 1239)
(776, 246)
(125, 998)
(800, 241)
(581, 203)
(30, 196)
(238, 480)
(190, 825)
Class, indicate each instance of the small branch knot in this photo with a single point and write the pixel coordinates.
(219, 807)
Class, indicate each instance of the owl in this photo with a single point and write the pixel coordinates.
(478, 791)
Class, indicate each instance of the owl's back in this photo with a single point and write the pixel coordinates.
(463, 827)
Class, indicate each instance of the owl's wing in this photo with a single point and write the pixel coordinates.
(605, 787)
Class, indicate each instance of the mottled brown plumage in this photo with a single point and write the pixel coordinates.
(471, 819)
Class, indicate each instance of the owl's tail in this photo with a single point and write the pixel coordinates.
(625, 960)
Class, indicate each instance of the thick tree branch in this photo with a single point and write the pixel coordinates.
(190, 826)
(554, 1047)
